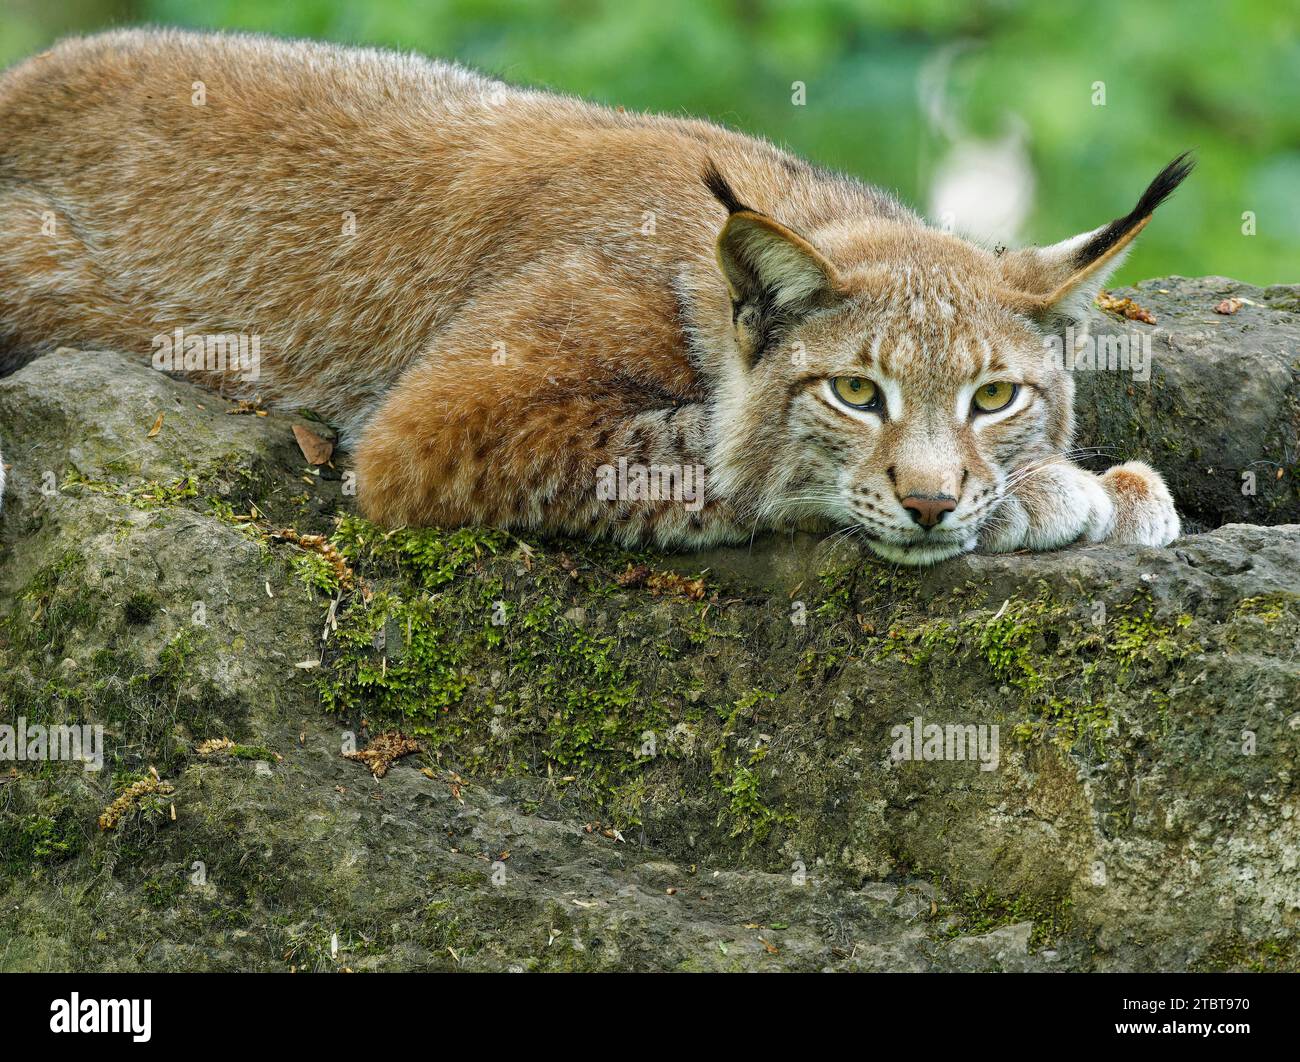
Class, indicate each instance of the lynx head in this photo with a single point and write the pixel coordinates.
(895, 379)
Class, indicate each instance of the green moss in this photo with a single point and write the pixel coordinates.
(163, 890)
(428, 557)
(479, 652)
(445, 930)
(1064, 669)
(144, 707)
(746, 814)
(916, 643)
(1268, 608)
(253, 752)
(973, 912)
(146, 496)
(38, 839)
(56, 602)
(1007, 643)
(140, 608)
(394, 662)
(566, 704)
(314, 572)
(702, 631)
(1137, 637)
(1276, 955)
(837, 584)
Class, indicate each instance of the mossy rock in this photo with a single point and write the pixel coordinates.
(690, 773)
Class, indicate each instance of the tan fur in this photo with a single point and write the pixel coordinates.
(534, 289)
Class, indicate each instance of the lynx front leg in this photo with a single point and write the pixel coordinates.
(1059, 503)
(464, 441)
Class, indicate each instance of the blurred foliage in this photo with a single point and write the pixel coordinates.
(1222, 78)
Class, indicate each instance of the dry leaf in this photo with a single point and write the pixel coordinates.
(526, 554)
(318, 544)
(157, 426)
(634, 576)
(113, 814)
(313, 447)
(1125, 308)
(672, 583)
(662, 582)
(383, 751)
(1229, 306)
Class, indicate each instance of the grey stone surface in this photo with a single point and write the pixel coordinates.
(1220, 412)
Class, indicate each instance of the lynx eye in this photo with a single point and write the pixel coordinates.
(994, 396)
(856, 391)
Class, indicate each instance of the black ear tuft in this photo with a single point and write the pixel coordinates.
(722, 191)
(1163, 186)
(1157, 192)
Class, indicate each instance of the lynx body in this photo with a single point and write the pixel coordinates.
(505, 300)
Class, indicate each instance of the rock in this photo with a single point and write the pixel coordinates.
(1003, 950)
(610, 778)
(1219, 414)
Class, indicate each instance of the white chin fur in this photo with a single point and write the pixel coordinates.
(922, 553)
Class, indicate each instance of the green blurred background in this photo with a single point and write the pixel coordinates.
(1011, 84)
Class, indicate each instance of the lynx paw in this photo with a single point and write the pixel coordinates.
(1051, 507)
(1061, 504)
(1144, 508)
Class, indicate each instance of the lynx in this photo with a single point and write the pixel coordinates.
(499, 295)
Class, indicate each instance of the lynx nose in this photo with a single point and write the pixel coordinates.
(928, 511)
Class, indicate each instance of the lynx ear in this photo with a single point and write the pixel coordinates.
(774, 275)
(1056, 284)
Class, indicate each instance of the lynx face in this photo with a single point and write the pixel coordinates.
(904, 413)
(899, 382)
(910, 426)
